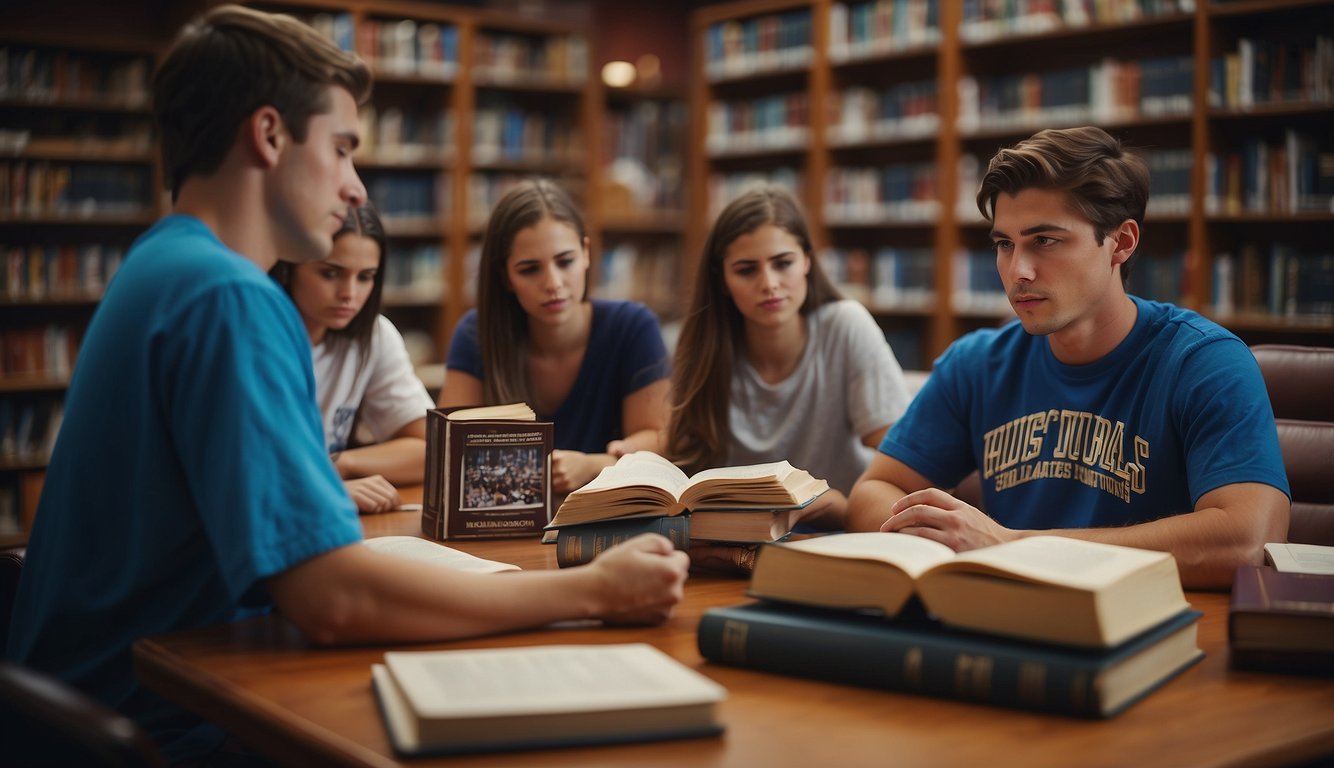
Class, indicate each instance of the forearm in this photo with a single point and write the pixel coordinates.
(649, 439)
(402, 461)
(1208, 544)
(870, 504)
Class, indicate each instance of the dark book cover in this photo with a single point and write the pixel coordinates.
(914, 654)
(486, 478)
(579, 544)
(1281, 622)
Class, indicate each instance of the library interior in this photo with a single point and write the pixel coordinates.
(879, 116)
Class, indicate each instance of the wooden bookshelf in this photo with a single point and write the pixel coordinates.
(1176, 123)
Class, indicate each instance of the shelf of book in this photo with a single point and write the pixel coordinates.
(921, 93)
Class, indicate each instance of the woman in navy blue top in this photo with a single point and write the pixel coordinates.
(598, 369)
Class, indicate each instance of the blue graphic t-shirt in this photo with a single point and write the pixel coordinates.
(1178, 409)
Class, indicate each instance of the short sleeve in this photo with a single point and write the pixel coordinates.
(394, 397)
(933, 437)
(642, 354)
(876, 390)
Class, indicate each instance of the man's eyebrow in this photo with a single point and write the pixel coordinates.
(1033, 230)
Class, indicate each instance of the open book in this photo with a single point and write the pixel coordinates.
(644, 484)
(1048, 588)
(417, 548)
(540, 696)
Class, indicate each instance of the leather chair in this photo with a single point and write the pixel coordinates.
(1299, 380)
(45, 722)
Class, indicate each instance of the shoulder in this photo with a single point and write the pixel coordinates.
(1181, 334)
(467, 326)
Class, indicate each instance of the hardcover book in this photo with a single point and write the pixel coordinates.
(488, 473)
(579, 544)
(502, 699)
(1282, 622)
(912, 653)
(1048, 588)
(644, 484)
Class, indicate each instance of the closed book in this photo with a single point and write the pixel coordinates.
(488, 473)
(579, 544)
(1281, 621)
(912, 653)
(504, 699)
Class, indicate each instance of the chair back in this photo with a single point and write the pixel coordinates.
(1300, 380)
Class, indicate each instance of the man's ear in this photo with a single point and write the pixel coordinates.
(1125, 238)
(266, 134)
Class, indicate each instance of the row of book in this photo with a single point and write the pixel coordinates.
(42, 188)
(977, 285)
(985, 20)
(643, 272)
(38, 350)
(485, 190)
(556, 59)
(1160, 276)
(643, 151)
(723, 188)
(739, 47)
(1271, 72)
(408, 195)
(407, 47)
(29, 73)
(1277, 279)
(414, 274)
(900, 192)
(391, 134)
(1295, 175)
(503, 130)
(65, 270)
(1107, 91)
(87, 134)
(862, 29)
(900, 279)
(904, 110)
(780, 121)
(28, 428)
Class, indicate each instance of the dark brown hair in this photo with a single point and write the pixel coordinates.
(1103, 181)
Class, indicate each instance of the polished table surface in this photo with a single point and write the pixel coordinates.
(306, 705)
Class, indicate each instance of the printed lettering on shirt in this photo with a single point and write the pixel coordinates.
(1066, 445)
(342, 428)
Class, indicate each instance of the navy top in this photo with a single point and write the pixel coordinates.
(625, 354)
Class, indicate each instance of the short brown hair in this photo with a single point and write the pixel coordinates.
(1103, 180)
(231, 61)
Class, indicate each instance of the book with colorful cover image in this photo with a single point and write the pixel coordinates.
(503, 699)
(1281, 621)
(1047, 588)
(644, 484)
(912, 653)
(488, 472)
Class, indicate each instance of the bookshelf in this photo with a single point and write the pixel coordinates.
(78, 181)
(907, 99)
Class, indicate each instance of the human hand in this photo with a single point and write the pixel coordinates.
(571, 470)
(934, 514)
(372, 494)
(618, 448)
(640, 580)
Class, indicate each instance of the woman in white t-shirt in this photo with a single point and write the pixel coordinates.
(773, 364)
(364, 380)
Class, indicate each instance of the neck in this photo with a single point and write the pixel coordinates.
(565, 338)
(233, 210)
(774, 351)
(1096, 337)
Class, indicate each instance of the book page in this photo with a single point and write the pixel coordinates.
(416, 548)
(912, 554)
(517, 411)
(545, 679)
(639, 468)
(1057, 560)
(778, 469)
(1300, 558)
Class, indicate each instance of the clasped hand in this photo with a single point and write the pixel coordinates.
(934, 514)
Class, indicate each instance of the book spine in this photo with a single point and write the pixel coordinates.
(920, 663)
(579, 544)
(433, 522)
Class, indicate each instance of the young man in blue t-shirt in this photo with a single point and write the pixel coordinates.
(1098, 415)
(190, 483)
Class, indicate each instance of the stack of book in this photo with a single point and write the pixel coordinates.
(645, 493)
(1281, 618)
(1045, 623)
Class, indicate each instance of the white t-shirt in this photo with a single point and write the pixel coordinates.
(386, 390)
(848, 383)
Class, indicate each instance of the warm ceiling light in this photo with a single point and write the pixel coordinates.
(618, 74)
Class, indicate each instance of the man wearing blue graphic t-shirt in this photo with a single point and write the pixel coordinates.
(1100, 414)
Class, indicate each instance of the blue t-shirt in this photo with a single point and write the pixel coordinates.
(625, 354)
(1176, 410)
(190, 466)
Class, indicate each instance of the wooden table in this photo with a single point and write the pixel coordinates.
(304, 705)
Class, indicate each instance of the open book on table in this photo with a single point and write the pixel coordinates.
(541, 696)
(644, 484)
(1048, 588)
